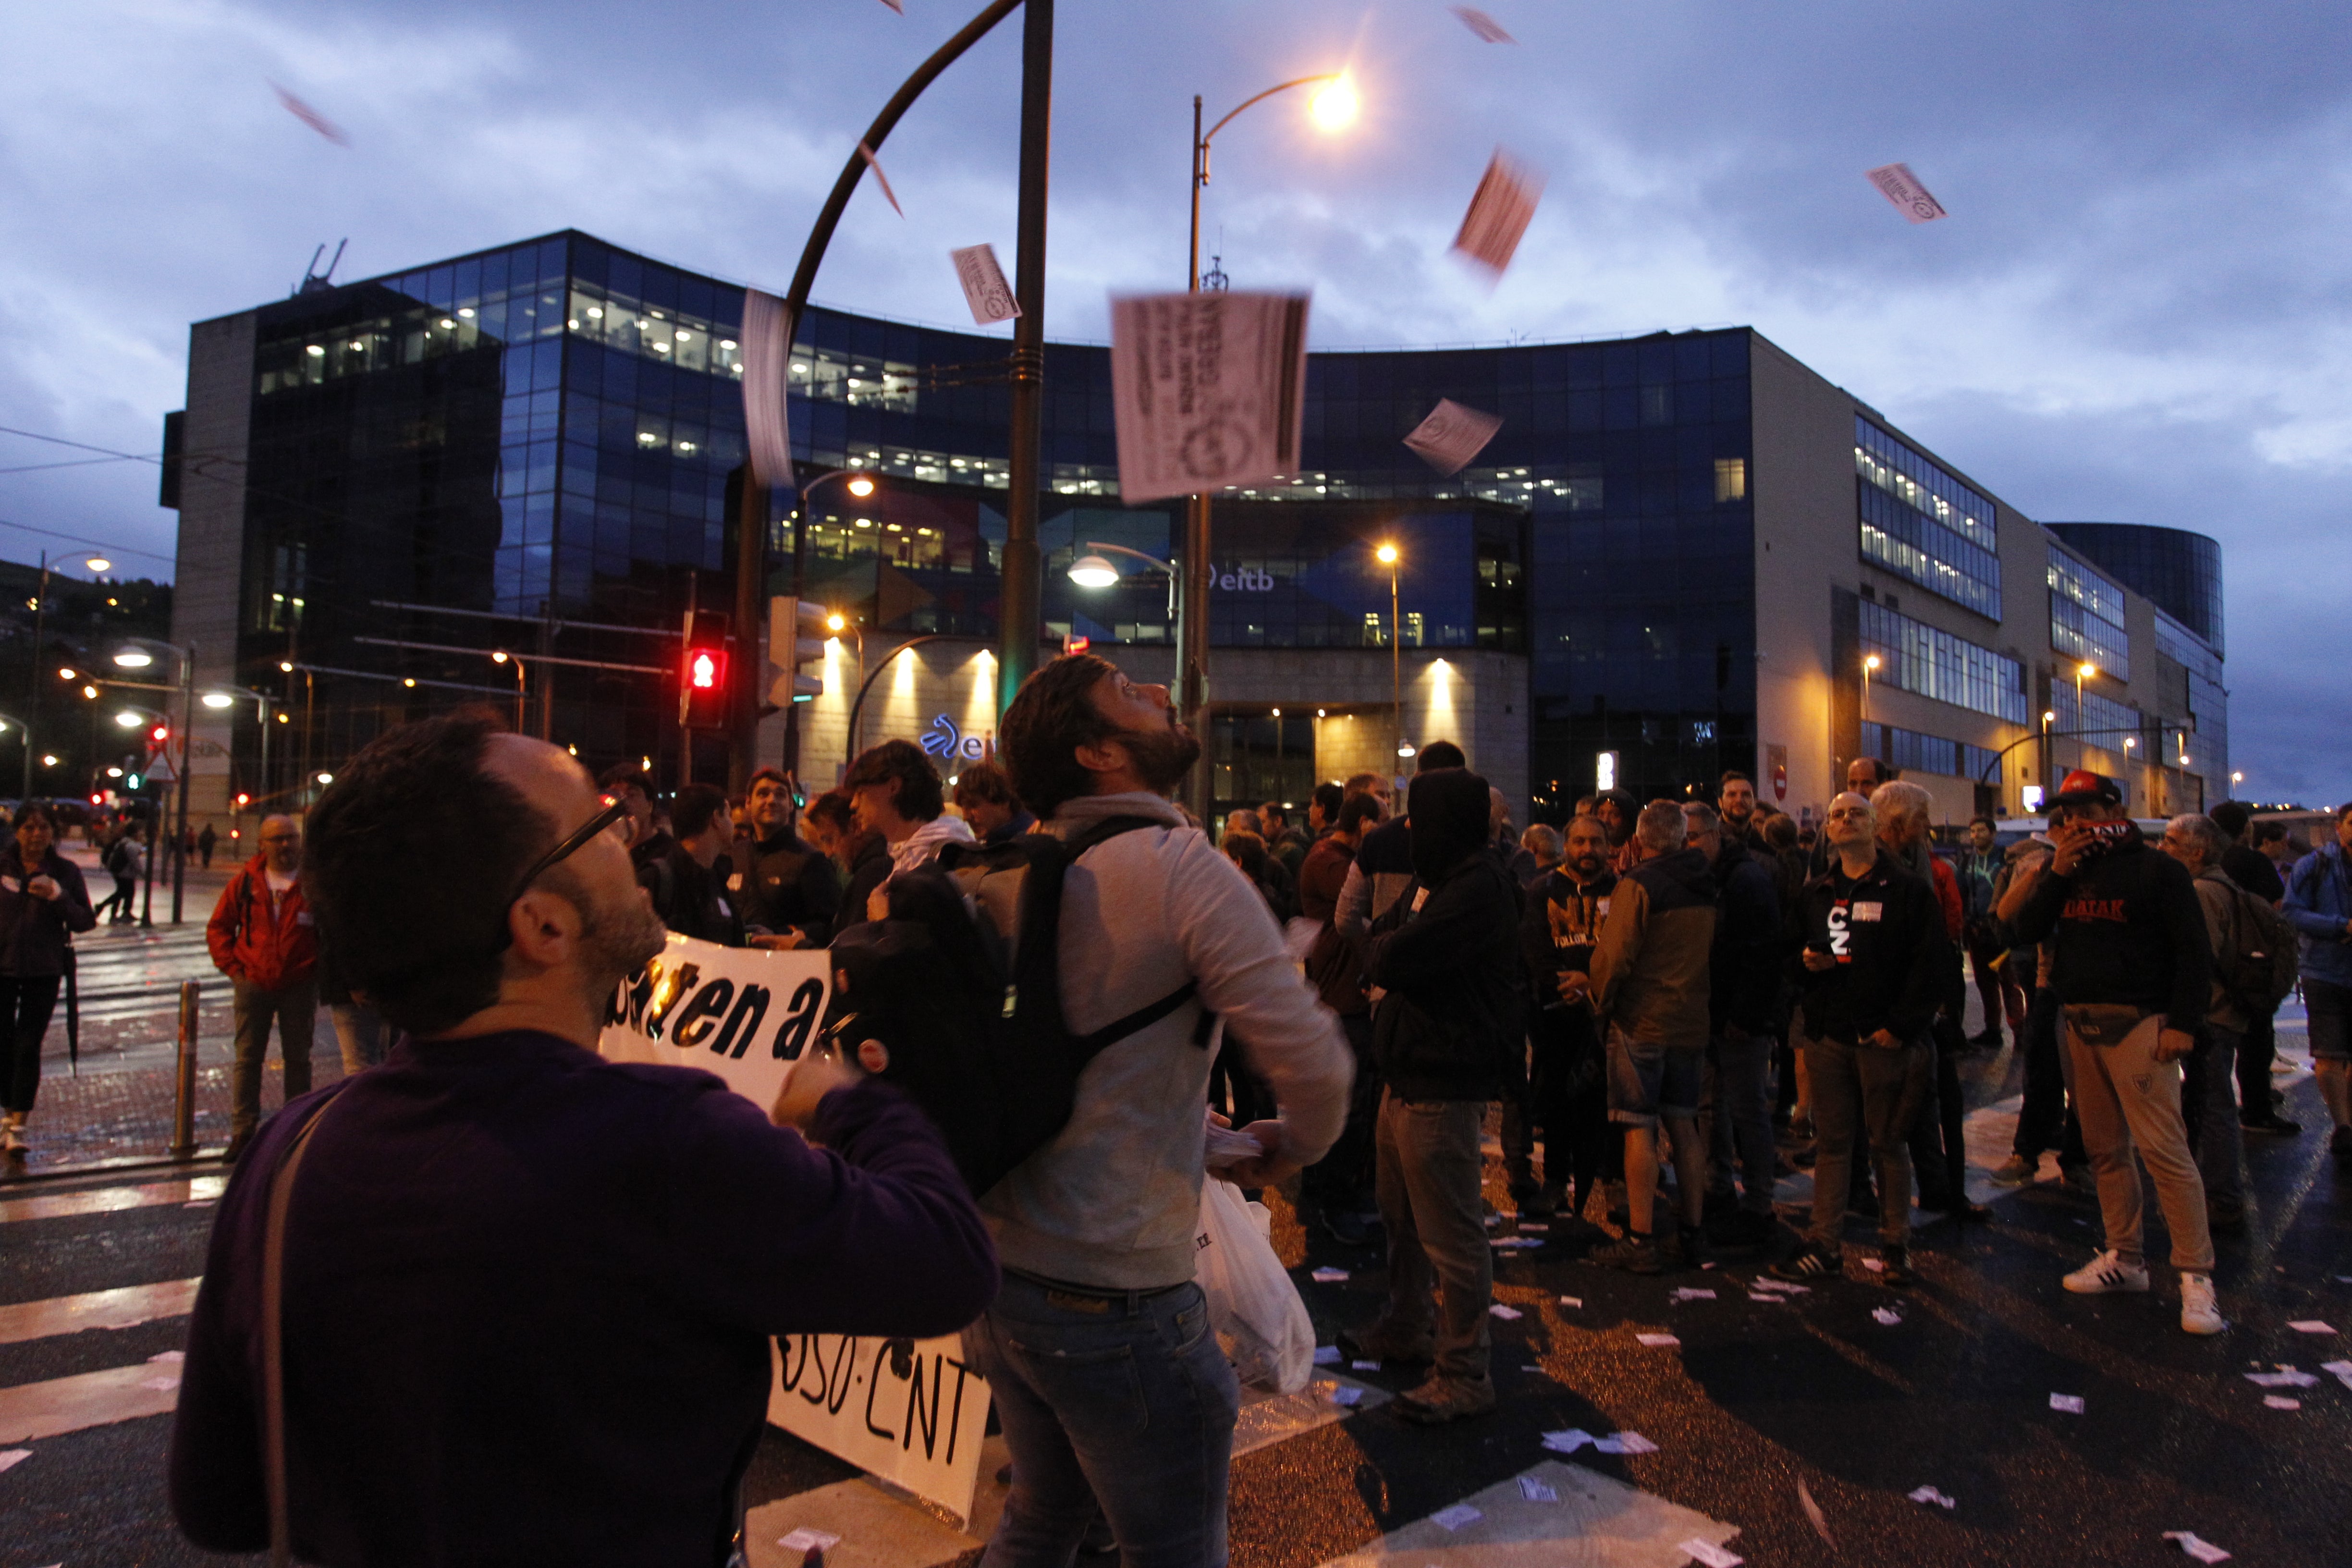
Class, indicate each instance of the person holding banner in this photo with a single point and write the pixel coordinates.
(1114, 1396)
(501, 1300)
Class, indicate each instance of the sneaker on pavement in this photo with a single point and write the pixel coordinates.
(1634, 1254)
(2107, 1274)
(2198, 1314)
(1445, 1398)
(2016, 1171)
(1896, 1267)
(2224, 1216)
(1384, 1341)
(2274, 1124)
(1811, 1261)
(2082, 1178)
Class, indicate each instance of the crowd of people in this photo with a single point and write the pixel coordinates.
(1665, 1007)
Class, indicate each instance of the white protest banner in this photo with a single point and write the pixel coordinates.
(1500, 212)
(743, 1012)
(911, 1412)
(1899, 184)
(1453, 435)
(984, 289)
(767, 342)
(1208, 389)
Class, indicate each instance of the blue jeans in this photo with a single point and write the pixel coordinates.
(1123, 1406)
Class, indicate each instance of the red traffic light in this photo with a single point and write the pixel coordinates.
(702, 670)
(703, 697)
(161, 734)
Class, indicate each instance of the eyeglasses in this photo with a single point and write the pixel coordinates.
(615, 813)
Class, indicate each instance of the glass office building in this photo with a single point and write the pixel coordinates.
(529, 450)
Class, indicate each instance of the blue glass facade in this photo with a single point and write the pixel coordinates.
(544, 433)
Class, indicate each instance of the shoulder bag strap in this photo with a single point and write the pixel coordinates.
(273, 1346)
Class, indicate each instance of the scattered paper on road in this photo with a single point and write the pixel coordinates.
(1899, 184)
(1500, 210)
(880, 178)
(2285, 1378)
(1691, 1293)
(984, 289)
(310, 117)
(2072, 1404)
(1711, 1554)
(1454, 1517)
(1814, 1511)
(1328, 1276)
(2203, 1550)
(1482, 25)
(2311, 1326)
(1535, 1225)
(1567, 1442)
(1365, 1366)
(1346, 1393)
(1209, 390)
(200, 1204)
(1572, 1300)
(1929, 1494)
(1624, 1442)
(14, 1457)
(1657, 1340)
(807, 1539)
(1535, 1490)
(2280, 1402)
(1448, 439)
(1886, 1315)
(1508, 1314)
(1514, 1243)
(1876, 1265)
(1327, 1355)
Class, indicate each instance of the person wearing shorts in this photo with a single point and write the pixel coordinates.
(1648, 986)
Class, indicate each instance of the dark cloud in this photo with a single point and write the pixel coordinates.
(2133, 311)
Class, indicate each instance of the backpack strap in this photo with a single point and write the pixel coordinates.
(1110, 1034)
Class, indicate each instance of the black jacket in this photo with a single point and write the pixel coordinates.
(2128, 932)
(1890, 931)
(691, 901)
(1453, 1010)
(1745, 965)
(33, 931)
(788, 886)
(869, 868)
(1556, 932)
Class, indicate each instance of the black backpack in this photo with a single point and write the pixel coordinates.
(2263, 963)
(961, 987)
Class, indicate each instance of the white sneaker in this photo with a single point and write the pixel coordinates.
(2199, 1315)
(2108, 1273)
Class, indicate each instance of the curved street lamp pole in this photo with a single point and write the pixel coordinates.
(26, 731)
(858, 707)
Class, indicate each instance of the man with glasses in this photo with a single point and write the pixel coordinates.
(529, 1293)
(260, 936)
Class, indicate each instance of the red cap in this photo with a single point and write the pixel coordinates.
(2083, 787)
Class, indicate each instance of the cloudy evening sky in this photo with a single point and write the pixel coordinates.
(2136, 311)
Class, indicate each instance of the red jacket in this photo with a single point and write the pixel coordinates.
(247, 945)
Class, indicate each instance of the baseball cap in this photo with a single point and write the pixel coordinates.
(2083, 787)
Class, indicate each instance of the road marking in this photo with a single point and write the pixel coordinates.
(108, 1200)
(122, 1309)
(32, 1411)
(1596, 1520)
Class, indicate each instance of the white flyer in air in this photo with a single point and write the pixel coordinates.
(984, 288)
(1899, 184)
(1500, 212)
(1209, 390)
(767, 341)
(1453, 435)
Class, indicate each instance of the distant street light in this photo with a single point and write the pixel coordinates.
(1389, 556)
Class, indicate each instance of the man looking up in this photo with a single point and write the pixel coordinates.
(2207, 1079)
(2319, 906)
(1114, 1396)
(1649, 989)
(529, 1293)
(260, 936)
(790, 890)
(2132, 962)
(1872, 963)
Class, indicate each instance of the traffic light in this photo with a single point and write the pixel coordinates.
(703, 697)
(796, 634)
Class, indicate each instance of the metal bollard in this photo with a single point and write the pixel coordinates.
(184, 1098)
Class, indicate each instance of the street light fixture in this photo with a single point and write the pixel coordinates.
(1389, 556)
(1869, 668)
(1094, 571)
(1333, 107)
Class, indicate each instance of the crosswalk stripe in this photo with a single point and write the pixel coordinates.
(32, 1411)
(1596, 1520)
(108, 1200)
(118, 1309)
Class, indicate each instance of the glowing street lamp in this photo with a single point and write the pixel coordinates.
(1389, 556)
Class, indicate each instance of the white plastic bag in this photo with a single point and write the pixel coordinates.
(1260, 1321)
